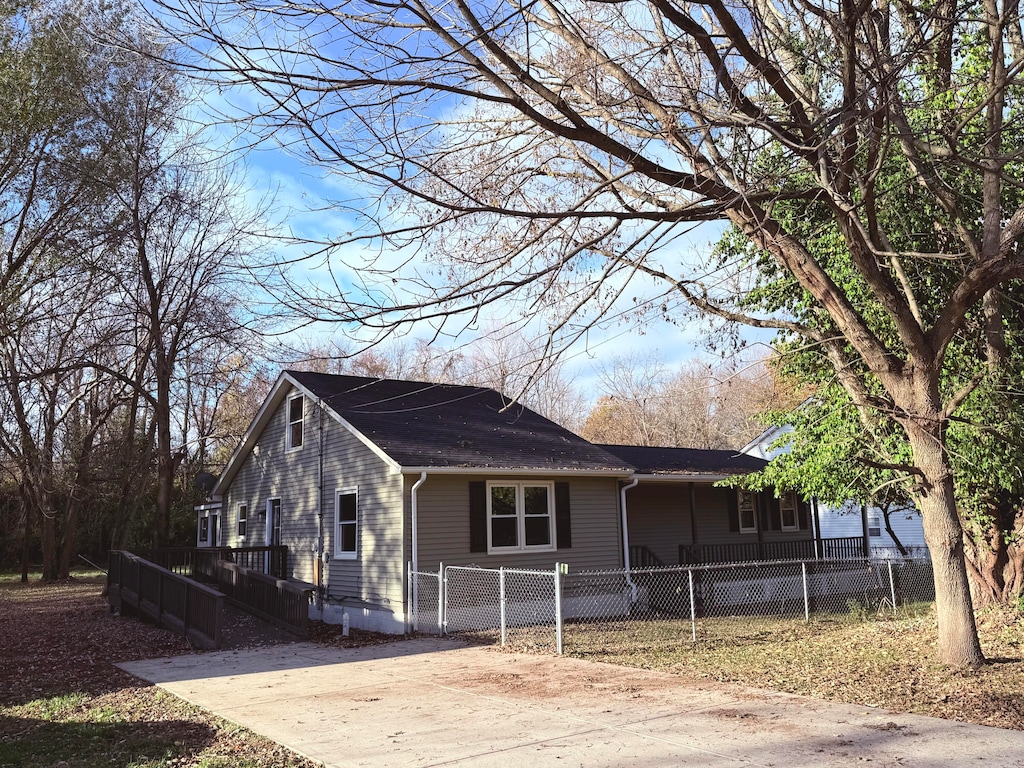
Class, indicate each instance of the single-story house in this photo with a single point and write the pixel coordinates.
(364, 479)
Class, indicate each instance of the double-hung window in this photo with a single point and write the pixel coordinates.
(874, 526)
(346, 524)
(520, 516)
(293, 437)
(788, 511)
(747, 512)
(243, 519)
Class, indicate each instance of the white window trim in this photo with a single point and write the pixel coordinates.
(521, 516)
(791, 497)
(877, 526)
(338, 553)
(238, 521)
(740, 508)
(288, 423)
(213, 518)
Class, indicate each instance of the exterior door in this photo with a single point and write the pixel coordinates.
(273, 532)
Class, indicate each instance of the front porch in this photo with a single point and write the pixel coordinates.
(674, 523)
(842, 548)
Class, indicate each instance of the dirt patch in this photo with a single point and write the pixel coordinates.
(883, 662)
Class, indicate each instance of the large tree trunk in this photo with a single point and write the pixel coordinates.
(958, 634)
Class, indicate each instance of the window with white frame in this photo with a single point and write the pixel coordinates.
(243, 519)
(874, 526)
(294, 434)
(209, 528)
(346, 524)
(519, 516)
(747, 512)
(788, 511)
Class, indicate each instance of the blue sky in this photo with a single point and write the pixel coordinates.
(302, 194)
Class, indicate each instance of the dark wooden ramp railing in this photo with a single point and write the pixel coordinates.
(183, 605)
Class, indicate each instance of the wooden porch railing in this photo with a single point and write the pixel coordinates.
(175, 601)
(641, 556)
(845, 548)
(284, 603)
(200, 563)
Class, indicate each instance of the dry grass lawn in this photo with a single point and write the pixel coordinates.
(874, 661)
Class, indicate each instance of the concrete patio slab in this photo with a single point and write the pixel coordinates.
(430, 702)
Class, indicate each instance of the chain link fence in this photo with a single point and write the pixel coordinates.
(549, 609)
(506, 605)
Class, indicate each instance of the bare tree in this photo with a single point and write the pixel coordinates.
(552, 151)
(181, 247)
(700, 405)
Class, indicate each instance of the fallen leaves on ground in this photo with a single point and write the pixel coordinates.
(62, 700)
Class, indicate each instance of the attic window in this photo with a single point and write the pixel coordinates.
(294, 434)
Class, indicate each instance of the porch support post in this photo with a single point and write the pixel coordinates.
(693, 514)
(816, 525)
(864, 529)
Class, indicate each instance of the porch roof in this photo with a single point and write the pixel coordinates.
(686, 462)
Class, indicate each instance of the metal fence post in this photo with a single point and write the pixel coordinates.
(442, 591)
(408, 613)
(501, 605)
(693, 606)
(441, 601)
(892, 588)
(807, 601)
(560, 568)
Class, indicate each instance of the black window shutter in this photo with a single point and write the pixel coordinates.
(563, 520)
(733, 503)
(764, 501)
(801, 509)
(776, 511)
(477, 516)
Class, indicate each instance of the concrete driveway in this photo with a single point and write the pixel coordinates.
(429, 702)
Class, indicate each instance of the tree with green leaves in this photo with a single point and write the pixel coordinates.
(552, 153)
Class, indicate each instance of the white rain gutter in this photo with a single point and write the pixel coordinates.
(625, 535)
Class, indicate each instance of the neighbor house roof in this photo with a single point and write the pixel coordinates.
(426, 425)
(686, 461)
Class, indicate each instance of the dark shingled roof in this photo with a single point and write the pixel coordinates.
(685, 461)
(420, 424)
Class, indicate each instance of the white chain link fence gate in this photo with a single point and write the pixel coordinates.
(535, 609)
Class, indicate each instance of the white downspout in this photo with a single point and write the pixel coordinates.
(413, 514)
(413, 509)
(625, 535)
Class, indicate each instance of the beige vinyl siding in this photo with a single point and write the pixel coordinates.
(292, 475)
(443, 511)
(713, 520)
(659, 518)
(376, 576)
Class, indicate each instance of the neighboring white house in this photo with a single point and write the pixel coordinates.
(850, 519)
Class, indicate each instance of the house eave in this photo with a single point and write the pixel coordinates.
(690, 477)
(517, 472)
